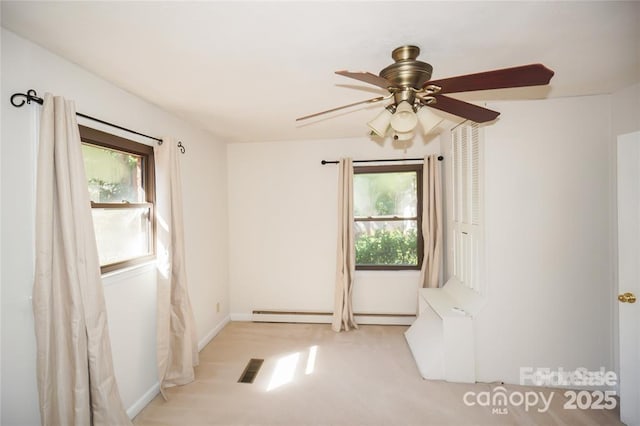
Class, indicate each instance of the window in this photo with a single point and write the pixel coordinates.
(387, 217)
(120, 176)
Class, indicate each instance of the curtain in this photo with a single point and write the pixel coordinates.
(75, 377)
(177, 349)
(431, 222)
(345, 268)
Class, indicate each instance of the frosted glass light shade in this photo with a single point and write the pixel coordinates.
(428, 120)
(380, 123)
(403, 136)
(404, 120)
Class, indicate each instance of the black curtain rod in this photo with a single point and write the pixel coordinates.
(31, 95)
(323, 162)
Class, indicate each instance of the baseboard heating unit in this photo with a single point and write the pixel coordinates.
(326, 317)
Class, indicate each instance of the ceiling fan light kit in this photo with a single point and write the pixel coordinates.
(380, 122)
(409, 83)
(404, 120)
(403, 136)
(428, 120)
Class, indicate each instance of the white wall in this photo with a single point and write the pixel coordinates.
(130, 296)
(625, 110)
(282, 222)
(548, 222)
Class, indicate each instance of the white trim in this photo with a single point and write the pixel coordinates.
(240, 317)
(144, 400)
(295, 318)
(213, 333)
(375, 320)
(327, 319)
(120, 275)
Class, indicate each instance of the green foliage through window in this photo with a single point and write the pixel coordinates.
(113, 176)
(385, 247)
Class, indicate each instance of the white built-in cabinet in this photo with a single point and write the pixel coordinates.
(442, 337)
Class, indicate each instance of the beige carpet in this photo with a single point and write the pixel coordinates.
(363, 377)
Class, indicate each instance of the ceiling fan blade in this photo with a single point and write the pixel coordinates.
(464, 109)
(367, 77)
(525, 75)
(368, 101)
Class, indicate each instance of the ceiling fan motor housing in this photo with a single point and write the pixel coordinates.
(406, 73)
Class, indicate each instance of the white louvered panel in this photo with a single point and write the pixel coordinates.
(468, 254)
(471, 256)
(455, 175)
(464, 259)
(464, 178)
(466, 175)
(462, 250)
(460, 256)
(476, 255)
(456, 253)
(475, 174)
(471, 261)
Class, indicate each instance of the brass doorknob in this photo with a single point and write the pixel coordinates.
(627, 298)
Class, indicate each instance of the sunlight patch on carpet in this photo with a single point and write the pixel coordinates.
(311, 360)
(284, 372)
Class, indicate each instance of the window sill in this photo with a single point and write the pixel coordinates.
(395, 273)
(114, 277)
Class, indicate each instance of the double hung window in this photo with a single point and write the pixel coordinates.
(120, 177)
(387, 217)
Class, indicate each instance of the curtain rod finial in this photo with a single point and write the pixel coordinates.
(31, 95)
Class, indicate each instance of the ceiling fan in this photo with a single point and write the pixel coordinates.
(409, 84)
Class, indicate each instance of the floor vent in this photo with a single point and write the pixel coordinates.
(251, 370)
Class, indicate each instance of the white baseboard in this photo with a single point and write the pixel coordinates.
(240, 317)
(391, 320)
(144, 400)
(295, 318)
(213, 333)
(326, 318)
(148, 396)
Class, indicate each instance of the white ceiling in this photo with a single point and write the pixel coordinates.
(246, 70)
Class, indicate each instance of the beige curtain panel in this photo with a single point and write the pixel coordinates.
(76, 381)
(177, 349)
(431, 222)
(346, 256)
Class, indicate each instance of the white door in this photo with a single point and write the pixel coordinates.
(629, 275)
